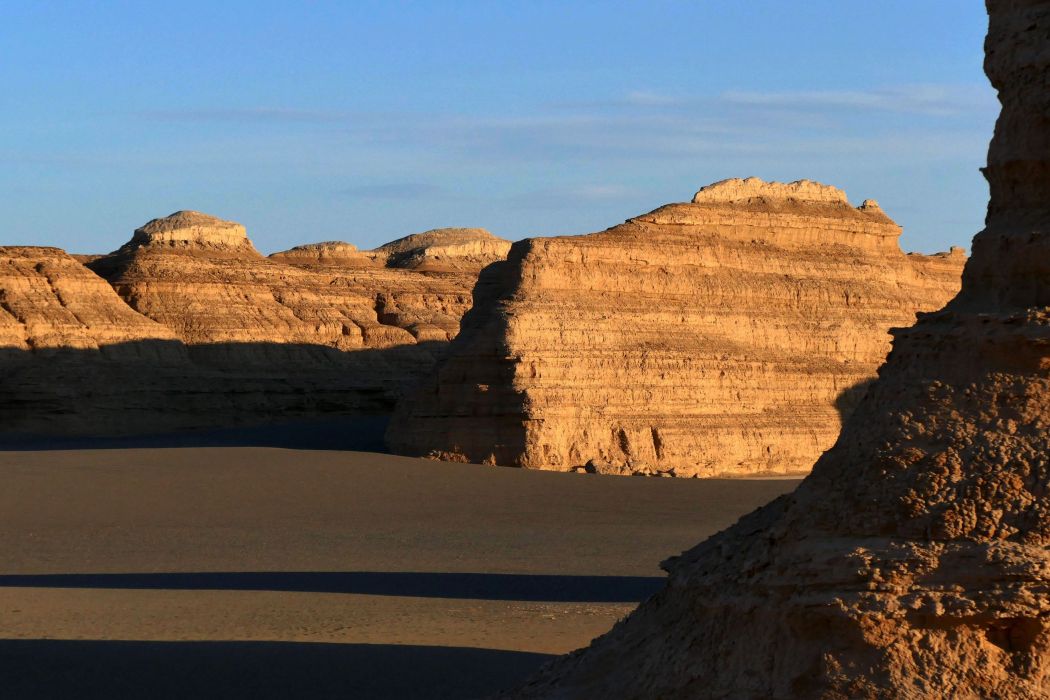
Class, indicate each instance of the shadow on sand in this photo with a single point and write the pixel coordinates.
(357, 433)
(469, 586)
(35, 669)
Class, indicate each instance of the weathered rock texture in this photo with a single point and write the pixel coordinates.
(200, 330)
(326, 254)
(724, 336)
(444, 250)
(212, 286)
(913, 562)
(54, 315)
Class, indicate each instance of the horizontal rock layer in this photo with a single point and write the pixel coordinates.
(197, 329)
(726, 336)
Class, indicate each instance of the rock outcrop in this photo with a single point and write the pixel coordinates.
(723, 336)
(49, 301)
(195, 233)
(913, 561)
(70, 348)
(211, 333)
(326, 254)
(444, 250)
(327, 294)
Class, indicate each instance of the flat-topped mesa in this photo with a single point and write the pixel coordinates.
(748, 190)
(800, 213)
(913, 561)
(325, 254)
(699, 340)
(444, 250)
(192, 231)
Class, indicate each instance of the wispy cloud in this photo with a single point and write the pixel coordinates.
(246, 115)
(394, 190)
(933, 100)
(572, 196)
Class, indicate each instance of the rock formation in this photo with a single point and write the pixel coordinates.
(913, 561)
(48, 300)
(445, 250)
(211, 333)
(54, 315)
(201, 276)
(723, 336)
(326, 254)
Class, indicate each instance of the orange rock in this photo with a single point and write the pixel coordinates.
(913, 561)
(722, 337)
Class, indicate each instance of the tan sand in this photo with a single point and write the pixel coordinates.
(268, 573)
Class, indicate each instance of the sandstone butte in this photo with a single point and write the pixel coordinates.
(726, 336)
(195, 328)
(913, 561)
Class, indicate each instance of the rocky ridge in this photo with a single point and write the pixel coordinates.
(448, 250)
(721, 337)
(912, 562)
(197, 329)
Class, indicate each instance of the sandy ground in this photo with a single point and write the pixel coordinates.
(260, 572)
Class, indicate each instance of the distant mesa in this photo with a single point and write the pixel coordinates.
(727, 336)
(187, 325)
(191, 231)
(445, 249)
(736, 190)
(326, 253)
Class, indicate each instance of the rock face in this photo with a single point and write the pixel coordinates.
(724, 336)
(49, 300)
(445, 250)
(326, 254)
(193, 232)
(67, 340)
(913, 561)
(209, 284)
(197, 329)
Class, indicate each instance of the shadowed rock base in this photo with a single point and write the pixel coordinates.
(913, 562)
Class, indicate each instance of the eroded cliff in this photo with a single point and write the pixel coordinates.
(723, 336)
(211, 333)
(913, 561)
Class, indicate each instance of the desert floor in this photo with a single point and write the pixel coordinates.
(261, 572)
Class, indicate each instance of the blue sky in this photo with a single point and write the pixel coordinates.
(366, 121)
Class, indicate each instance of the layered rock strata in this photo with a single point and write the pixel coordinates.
(225, 336)
(913, 561)
(723, 336)
(210, 285)
(444, 250)
(70, 348)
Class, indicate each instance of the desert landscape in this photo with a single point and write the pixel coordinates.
(741, 446)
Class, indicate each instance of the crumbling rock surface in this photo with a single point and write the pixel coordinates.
(913, 561)
(721, 337)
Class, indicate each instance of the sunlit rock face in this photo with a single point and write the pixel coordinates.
(188, 326)
(913, 562)
(201, 276)
(726, 336)
(444, 250)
